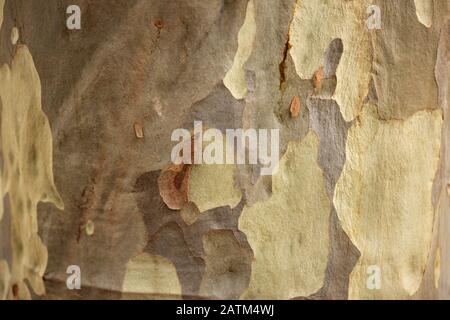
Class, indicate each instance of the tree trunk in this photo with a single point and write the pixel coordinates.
(353, 95)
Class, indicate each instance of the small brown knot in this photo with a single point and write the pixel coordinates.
(138, 130)
(15, 291)
(173, 184)
(295, 107)
(318, 77)
(159, 24)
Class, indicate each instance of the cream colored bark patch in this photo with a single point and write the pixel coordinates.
(437, 268)
(151, 277)
(213, 186)
(5, 289)
(4, 269)
(28, 175)
(235, 78)
(14, 35)
(90, 228)
(383, 199)
(315, 25)
(424, 11)
(289, 232)
(2, 4)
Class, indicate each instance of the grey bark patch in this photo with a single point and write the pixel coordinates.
(5, 233)
(328, 123)
(170, 236)
(333, 57)
(219, 110)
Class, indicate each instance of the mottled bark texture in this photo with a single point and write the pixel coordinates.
(87, 177)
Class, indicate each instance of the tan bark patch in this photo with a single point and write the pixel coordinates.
(213, 186)
(383, 199)
(316, 24)
(5, 290)
(424, 11)
(235, 78)
(28, 170)
(151, 277)
(437, 268)
(289, 232)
